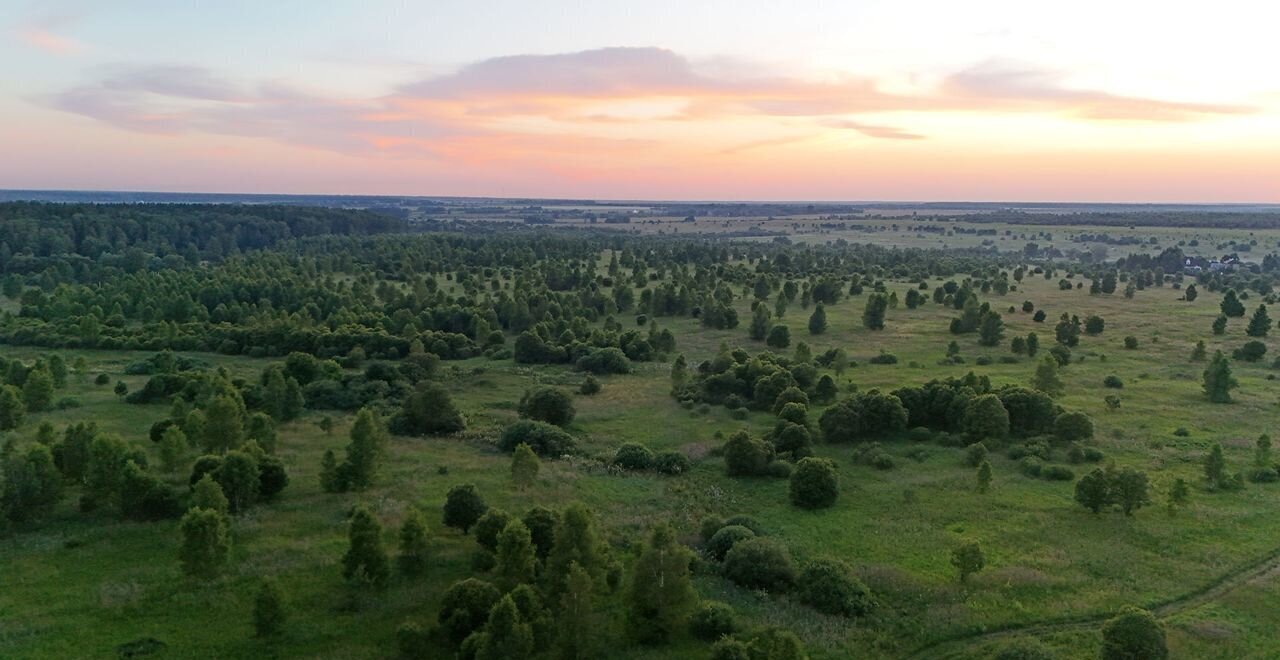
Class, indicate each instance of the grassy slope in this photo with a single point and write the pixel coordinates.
(79, 586)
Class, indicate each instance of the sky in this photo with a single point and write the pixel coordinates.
(984, 100)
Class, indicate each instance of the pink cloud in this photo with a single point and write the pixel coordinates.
(49, 42)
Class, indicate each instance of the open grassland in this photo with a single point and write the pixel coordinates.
(81, 585)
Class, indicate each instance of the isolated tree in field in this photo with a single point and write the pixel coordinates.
(516, 559)
(1198, 353)
(779, 337)
(414, 550)
(985, 417)
(365, 561)
(840, 362)
(660, 595)
(331, 478)
(1178, 497)
(815, 483)
(760, 322)
(1220, 325)
(1093, 490)
(429, 410)
(818, 320)
(984, 476)
(874, 312)
(968, 559)
(463, 506)
(524, 466)
(547, 404)
(578, 623)
(1129, 489)
(1215, 467)
(1046, 378)
(364, 453)
(1262, 452)
(1033, 344)
(1218, 381)
(37, 391)
(506, 636)
(1133, 634)
(1260, 324)
(1231, 305)
(1191, 293)
(12, 408)
(205, 543)
(269, 612)
(990, 329)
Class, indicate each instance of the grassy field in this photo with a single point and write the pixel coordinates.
(81, 585)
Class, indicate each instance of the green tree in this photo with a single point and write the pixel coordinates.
(990, 329)
(12, 408)
(760, 323)
(575, 542)
(506, 635)
(30, 485)
(1198, 353)
(815, 483)
(240, 480)
(1220, 325)
(524, 466)
(1179, 495)
(463, 506)
(578, 623)
(831, 587)
(1231, 305)
(874, 312)
(984, 476)
(205, 544)
(414, 551)
(968, 559)
(1133, 634)
(207, 494)
(104, 472)
(365, 561)
(1046, 378)
(660, 595)
(173, 448)
(1129, 489)
(1260, 324)
(1215, 467)
(516, 559)
(547, 404)
(779, 337)
(269, 613)
(224, 425)
(429, 410)
(37, 392)
(364, 453)
(985, 417)
(1218, 381)
(818, 320)
(1093, 490)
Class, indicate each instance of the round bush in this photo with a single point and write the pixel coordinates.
(1057, 473)
(1073, 427)
(712, 621)
(815, 484)
(547, 404)
(830, 587)
(543, 438)
(778, 469)
(725, 538)
(633, 456)
(671, 462)
(1113, 381)
(739, 413)
(748, 522)
(760, 563)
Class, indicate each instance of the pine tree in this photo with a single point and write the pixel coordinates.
(506, 635)
(818, 320)
(1260, 324)
(874, 312)
(679, 371)
(1218, 382)
(991, 329)
(205, 543)
(524, 466)
(1198, 353)
(365, 561)
(330, 477)
(413, 544)
(1215, 467)
(578, 625)
(268, 609)
(661, 594)
(760, 323)
(575, 541)
(368, 437)
(1231, 305)
(516, 559)
(1046, 378)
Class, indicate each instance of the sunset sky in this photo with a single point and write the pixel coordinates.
(995, 100)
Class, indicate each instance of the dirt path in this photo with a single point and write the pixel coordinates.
(1263, 569)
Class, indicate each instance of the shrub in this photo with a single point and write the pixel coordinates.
(1113, 382)
(1057, 473)
(633, 456)
(746, 456)
(671, 462)
(465, 607)
(815, 483)
(1073, 427)
(1130, 342)
(975, 454)
(605, 361)
(884, 358)
(543, 438)
(1031, 466)
(830, 587)
(760, 563)
(725, 538)
(779, 469)
(1251, 352)
(748, 522)
(589, 386)
(547, 404)
(713, 620)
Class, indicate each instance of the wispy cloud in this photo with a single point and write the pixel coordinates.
(47, 33)
(873, 130)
